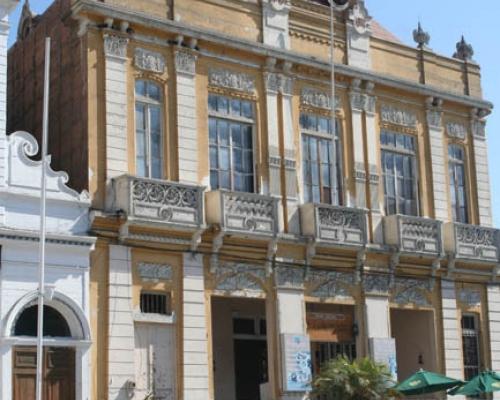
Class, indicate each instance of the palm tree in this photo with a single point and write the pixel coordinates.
(341, 379)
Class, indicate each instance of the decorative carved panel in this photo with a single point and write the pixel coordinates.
(376, 283)
(330, 284)
(289, 277)
(185, 62)
(412, 291)
(435, 119)
(231, 80)
(239, 277)
(456, 130)
(155, 272)
(319, 99)
(149, 60)
(397, 116)
(470, 297)
(473, 242)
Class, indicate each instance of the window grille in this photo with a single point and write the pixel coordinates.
(155, 303)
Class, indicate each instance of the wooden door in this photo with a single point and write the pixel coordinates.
(58, 373)
(155, 362)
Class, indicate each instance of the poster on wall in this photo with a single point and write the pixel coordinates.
(383, 350)
(297, 372)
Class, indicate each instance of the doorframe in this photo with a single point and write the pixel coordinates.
(81, 342)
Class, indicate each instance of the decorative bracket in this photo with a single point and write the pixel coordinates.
(272, 248)
(217, 243)
(360, 265)
(436, 266)
(196, 240)
(451, 266)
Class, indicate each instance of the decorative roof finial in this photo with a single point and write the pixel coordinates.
(464, 50)
(421, 37)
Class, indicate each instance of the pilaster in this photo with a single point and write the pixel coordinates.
(4, 33)
(121, 340)
(373, 158)
(436, 135)
(493, 297)
(451, 332)
(290, 312)
(357, 100)
(195, 366)
(115, 51)
(187, 124)
(478, 129)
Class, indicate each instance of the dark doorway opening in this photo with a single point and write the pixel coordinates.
(250, 362)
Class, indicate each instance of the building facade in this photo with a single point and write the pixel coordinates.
(242, 238)
(67, 366)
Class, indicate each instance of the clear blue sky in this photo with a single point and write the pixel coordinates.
(446, 21)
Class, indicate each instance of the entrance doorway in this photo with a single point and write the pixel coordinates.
(415, 341)
(58, 373)
(239, 348)
(331, 329)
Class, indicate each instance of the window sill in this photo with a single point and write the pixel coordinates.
(154, 318)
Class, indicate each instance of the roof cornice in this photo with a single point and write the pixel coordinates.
(177, 27)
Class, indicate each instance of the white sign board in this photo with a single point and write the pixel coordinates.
(297, 372)
(383, 350)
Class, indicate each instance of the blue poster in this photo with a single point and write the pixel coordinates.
(297, 366)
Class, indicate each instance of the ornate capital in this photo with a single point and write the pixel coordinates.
(377, 284)
(149, 60)
(397, 116)
(155, 272)
(185, 62)
(279, 5)
(479, 129)
(115, 46)
(289, 277)
(231, 80)
(279, 83)
(358, 101)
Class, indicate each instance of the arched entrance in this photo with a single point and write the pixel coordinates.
(58, 362)
(66, 347)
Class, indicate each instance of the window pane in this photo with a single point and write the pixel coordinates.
(238, 182)
(154, 91)
(222, 105)
(225, 180)
(247, 136)
(140, 145)
(315, 174)
(235, 107)
(248, 161)
(236, 134)
(214, 162)
(214, 179)
(140, 88)
(155, 120)
(238, 160)
(140, 122)
(212, 130)
(316, 194)
(212, 102)
(156, 168)
(246, 109)
(224, 158)
(223, 129)
(323, 125)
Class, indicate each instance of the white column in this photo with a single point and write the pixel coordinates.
(4, 33)
(187, 134)
(358, 198)
(195, 345)
(451, 333)
(121, 340)
(439, 186)
(290, 314)
(115, 50)
(6, 372)
(376, 205)
(482, 173)
(494, 328)
(274, 184)
(291, 192)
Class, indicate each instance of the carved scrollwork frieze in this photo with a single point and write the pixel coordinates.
(155, 272)
(289, 277)
(115, 46)
(233, 80)
(396, 116)
(148, 60)
(412, 291)
(326, 284)
(456, 130)
(470, 297)
(234, 277)
(315, 98)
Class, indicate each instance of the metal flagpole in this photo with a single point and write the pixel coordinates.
(41, 270)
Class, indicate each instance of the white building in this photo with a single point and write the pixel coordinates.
(67, 331)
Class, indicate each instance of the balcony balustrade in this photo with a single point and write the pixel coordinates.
(245, 213)
(417, 235)
(160, 202)
(472, 242)
(336, 225)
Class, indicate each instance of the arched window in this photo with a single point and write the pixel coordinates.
(148, 128)
(54, 324)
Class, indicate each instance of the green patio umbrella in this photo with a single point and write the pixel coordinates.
(424, 382)
(485, 382)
